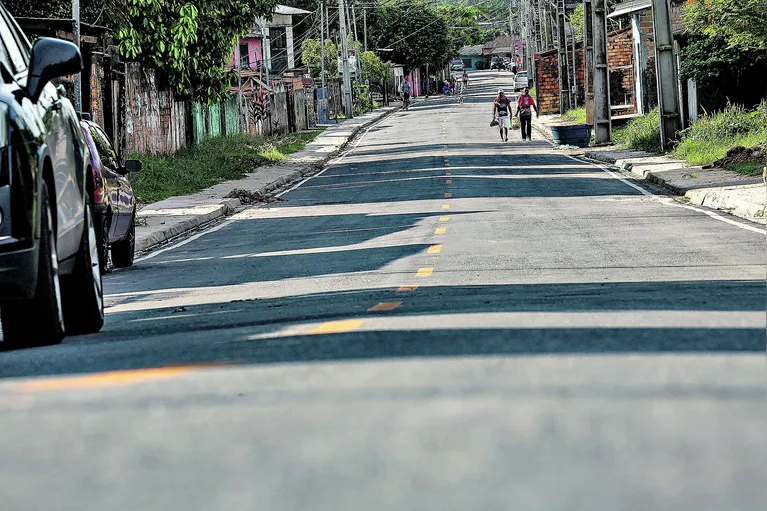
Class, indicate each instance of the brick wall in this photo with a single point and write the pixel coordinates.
(619, 61)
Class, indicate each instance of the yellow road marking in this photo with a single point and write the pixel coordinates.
(424, 272)
(448, 195)
(449, 182)
(107, 379)
(403, 289)
(444, 218)
(448, 173)
(440, 230)
(384, 306)
(434, 249)
(336, 327)
(446, 206)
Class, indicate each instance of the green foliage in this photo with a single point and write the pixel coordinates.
(576, 116)
(373, 68)
(712, 135)
(213, 161)
(416, 33)
(741, 23)
(641, 133)
(577, 22)
(363, 103)
(311, 55)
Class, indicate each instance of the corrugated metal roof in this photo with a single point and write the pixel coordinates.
(471, 51)
(284, 9)
(629, 7)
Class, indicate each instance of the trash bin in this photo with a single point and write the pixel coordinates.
(577, 135)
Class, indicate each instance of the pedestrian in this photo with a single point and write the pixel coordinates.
(524, 105)
(465, 79)
(502, 111)
(405, 94)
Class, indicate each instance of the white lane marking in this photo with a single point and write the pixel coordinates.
(670, 202)
(229, 221)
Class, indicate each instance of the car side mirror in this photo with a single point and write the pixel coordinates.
(132, 166)
(51, 58)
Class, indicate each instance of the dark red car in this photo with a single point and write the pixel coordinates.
(112, 196)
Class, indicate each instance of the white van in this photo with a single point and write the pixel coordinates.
(520, 82)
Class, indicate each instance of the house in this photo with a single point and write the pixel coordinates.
(268, 49)
(471, 56)
(502, 46)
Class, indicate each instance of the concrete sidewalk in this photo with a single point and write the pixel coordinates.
(160, 221)
(742, 196)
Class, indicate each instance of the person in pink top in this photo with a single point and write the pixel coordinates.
(525, 104)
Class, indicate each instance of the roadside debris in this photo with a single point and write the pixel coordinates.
(565, 147)
(249, 197)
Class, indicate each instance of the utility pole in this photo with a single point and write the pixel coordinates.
(602, 120)
(322, 41)
(345, 59)
(365, 27)
(668, 98)
(564, 74)
(237, 59)
(588, 64)
(76, 40)
(574, 68)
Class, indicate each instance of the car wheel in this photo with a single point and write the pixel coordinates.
(102, 239)
(83, 290)
(40, 320)
(123, 251)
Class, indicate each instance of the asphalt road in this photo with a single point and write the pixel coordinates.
(439, 320)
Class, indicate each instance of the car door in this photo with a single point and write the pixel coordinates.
(61, 137)
(115, 181)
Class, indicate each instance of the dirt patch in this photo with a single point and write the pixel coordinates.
(250, 197)
(741, 154)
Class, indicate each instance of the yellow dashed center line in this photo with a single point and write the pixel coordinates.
(440, 230)
(108, 379)
(405, 289)
(449, 182)
(435, 249)
(384, 306)
(336, 327)
(446, 206)
(424, 272)
(448, 195)
(444, 218)
(448, 173)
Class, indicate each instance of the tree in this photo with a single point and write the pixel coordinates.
(576, 21)
(311, 54)
(417, 34)
(373, 68)
(739, 23)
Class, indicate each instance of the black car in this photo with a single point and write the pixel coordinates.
(497, 63)
(50, 279)
(111, 194)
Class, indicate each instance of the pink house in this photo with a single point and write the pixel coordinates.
(251, 54)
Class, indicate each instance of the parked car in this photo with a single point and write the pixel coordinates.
(496, 63)
(50, 279)
(520, 82)
(111, 194)
(507, 63)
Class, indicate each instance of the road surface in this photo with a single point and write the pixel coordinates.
(439, 320)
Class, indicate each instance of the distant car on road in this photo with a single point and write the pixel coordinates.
(520, 82)
(496, 63)
(112, 197)
(50, 279)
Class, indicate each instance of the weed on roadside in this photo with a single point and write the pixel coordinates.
(250, 197)
(576, 116)
(640, 134)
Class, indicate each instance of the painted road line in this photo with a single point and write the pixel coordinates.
(106, 379)
(444, 218)
(446, 206)
(434, 249)
(336, 327)
(448, 195)
(384, 306)
(405, 289)
(448, 174)
(424, 272)
(440, 230)
(449, 182)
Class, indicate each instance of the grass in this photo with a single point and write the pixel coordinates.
(213, 161)
(751, 168)
(710, 137)
(576, 116)
(640, 134)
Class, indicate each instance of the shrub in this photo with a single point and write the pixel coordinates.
(641, 133)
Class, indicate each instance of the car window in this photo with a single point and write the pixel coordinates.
(103, 146)
(17, 56)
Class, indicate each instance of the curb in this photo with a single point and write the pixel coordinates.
(722, 198)
(230, 206)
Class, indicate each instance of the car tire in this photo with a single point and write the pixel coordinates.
(83, 290)
(102, 237)
(40, 320)
(124, 250)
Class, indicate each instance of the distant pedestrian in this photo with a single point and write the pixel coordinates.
(465, 79)
(405, 94)
(525, 104)
(502, 111)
